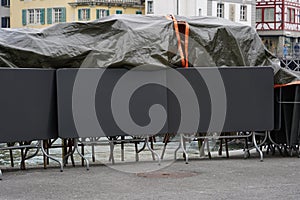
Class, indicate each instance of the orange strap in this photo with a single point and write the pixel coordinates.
(287, 84)
(184, 57)
(186, 44)
(179, 41)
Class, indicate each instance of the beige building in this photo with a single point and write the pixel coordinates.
(42, 13)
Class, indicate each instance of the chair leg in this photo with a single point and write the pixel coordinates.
(122, 148)
(220, 147)
(226, 146)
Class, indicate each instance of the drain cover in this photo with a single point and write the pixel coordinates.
(167, 174)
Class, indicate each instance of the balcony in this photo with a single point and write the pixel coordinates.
(109, 3)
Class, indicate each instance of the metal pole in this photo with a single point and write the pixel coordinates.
(177, 7)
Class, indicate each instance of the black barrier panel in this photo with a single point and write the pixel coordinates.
(287, 124)
(247, 104)
(111, 102)
(86, 97)
(27, 104)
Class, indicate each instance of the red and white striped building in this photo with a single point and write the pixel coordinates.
(278, 24)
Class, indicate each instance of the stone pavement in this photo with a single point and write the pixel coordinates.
(220, 178)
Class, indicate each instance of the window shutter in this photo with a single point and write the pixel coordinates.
(24, 17)
(107, 12)
(43, 16)
(49, 15)
(3, 2)
(88, 14)
(97, 14)
(119, 12)
(63, 13)
(138, 12)
(79, 14)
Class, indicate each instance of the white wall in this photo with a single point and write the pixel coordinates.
(186, 7)
(191, 8)
(4, 12)
(237, 11)
(202, 4)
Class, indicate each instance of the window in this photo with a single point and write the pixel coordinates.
(243, 13)
(199, 12)
(33, 16)
(5, 22)
(150, 7)
(56, 15)
(258, 15)
(138, 12)
(220, 10)
(84, 14)
(37, 16)
(101, 13)
(118, 12)
(290, 15)
(269, 14)
(30, 16)
(5, 3)
(232, 12)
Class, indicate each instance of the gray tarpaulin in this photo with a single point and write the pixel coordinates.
(135, 40)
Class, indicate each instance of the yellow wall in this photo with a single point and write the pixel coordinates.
(17, 6)
(112, 11)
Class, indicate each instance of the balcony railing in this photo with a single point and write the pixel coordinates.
(107, 2)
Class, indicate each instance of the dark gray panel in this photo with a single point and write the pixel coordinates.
(27, 104)
(249, 99)
(85, 99)
(94, 102)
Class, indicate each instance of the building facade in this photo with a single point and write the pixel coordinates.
(278, 24)
(42, 13)
(242, 11)
(4, 14)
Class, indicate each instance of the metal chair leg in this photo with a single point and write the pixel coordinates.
(80, 154)
(175, 153)
(182, 141)
(257, 148)
(152, 151)
(47, 155)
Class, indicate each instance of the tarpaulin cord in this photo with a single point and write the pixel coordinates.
(287, 84)
(184, 57)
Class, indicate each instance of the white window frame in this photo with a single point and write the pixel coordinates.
(102, 13)
(83, 14)
(243, 13)
(38, 14)
(30, 16)
(150, 7)
(56, 15)
(34, 16)
(220, 10)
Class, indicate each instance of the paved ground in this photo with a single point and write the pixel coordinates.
(220, 178)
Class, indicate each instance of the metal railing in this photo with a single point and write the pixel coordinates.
(292, 63)
(110, 1)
